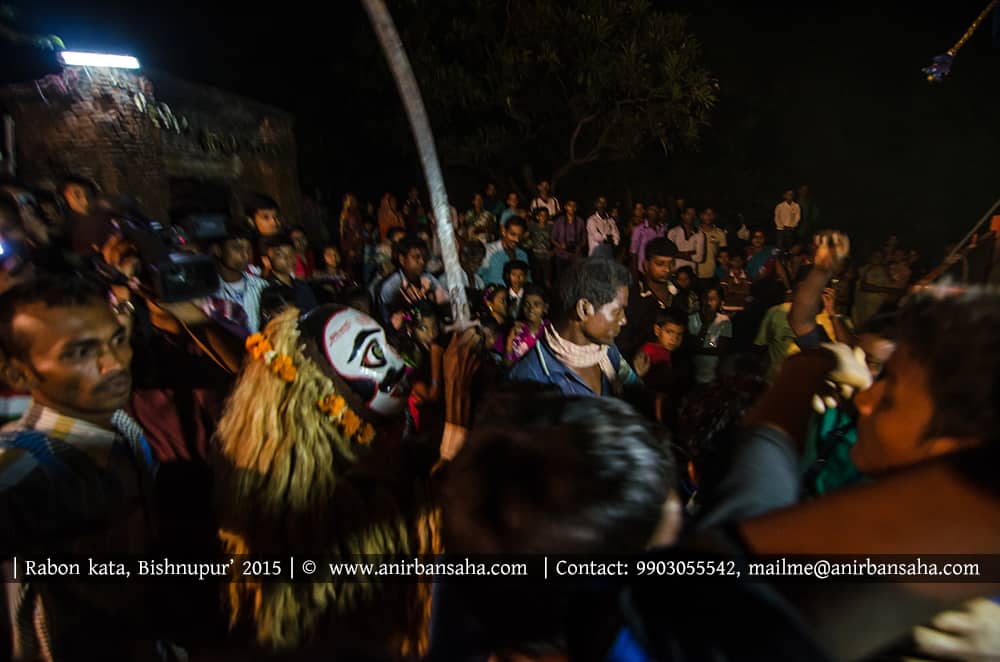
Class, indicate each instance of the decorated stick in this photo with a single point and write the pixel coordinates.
(941, 65)
(417, 114)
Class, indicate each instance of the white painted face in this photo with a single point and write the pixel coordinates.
(355, 346)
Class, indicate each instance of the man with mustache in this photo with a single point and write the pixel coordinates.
(76, 472)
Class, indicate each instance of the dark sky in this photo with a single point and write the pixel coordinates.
(825, 93)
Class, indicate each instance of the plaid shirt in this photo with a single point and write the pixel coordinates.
(69, 488)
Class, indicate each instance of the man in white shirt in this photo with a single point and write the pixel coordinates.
(545, 201)
(602, 231)
(786, 218)
(690, 242)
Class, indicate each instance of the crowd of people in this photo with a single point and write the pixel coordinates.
(649, 383)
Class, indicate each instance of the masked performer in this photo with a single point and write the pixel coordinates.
(311, 466)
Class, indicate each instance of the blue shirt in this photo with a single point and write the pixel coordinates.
(496, 257)
(756, 264)
(541, 365)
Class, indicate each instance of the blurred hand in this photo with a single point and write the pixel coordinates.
(832, 248)
(641, 364)
(119, 253)
(829, 301)
(971, 633)
(851, 374)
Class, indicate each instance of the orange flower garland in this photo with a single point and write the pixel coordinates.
(333, 406)
(350, 423)
(280, 364)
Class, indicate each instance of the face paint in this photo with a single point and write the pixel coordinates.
(354, 347)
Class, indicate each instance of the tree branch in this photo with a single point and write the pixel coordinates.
(576, 134)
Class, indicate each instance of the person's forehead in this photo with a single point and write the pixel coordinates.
(673, 327)
(48, 326)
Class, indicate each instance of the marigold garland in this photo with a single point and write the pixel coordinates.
(334, 406)
(280, 364)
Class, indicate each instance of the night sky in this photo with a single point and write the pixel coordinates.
(829, 94)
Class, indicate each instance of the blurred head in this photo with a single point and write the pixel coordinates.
(542, 216)
(61, 341)
(722, 257)
(687, 218)
(471, 254)
(512, 232)
(491, 330)
(669, 329)
(78, 197)
(280, 254)
(495, 299)
(601, 204)
(684, 278)
(535, 307)
(707, 216)
(638, 211)
(660, 254)
(413, 193)
(331, 258)
(599, 485)
(543, 188)
(788, 195)
(395, 235)
(570, 208)
(737, 261)
(512, 200)
(711, 301)
(235, 252)
(263, 211)
(491, 190)
(653, 214)
(593, 294)
(423, 324)
(477, 202)
(411, 256)
(757, 239)
(299, 240)
(938, 392)
(515, 273)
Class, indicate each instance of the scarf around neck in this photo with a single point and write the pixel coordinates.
(581, 356)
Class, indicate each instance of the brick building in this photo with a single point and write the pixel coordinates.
(174, 145)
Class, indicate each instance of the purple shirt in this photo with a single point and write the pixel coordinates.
(642, 235)
(571, 235)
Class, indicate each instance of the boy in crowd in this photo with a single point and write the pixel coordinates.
(283, 288)
(515, 275)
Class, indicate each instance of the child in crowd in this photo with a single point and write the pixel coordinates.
(540, 244)
(712, 332)
(492, 336)
(526, 332)
(424, 352)
(515, 274)
(305, 262)
(329, 279)
(370, 235)
(686, 299)
(662, 375)
(735, 285)
(495, 306)
(722, 263)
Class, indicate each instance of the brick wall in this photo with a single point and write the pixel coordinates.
(137, 133)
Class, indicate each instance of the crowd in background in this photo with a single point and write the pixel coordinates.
(636, 379)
